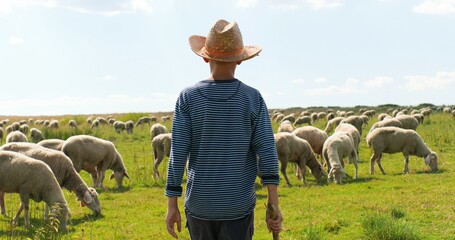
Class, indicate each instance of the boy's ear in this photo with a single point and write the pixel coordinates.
(206, 60)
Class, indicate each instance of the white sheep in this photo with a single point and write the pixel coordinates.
(1, 135)
(72, 123)
(32, 179)
(15, 126)
(314, 136)
(119, 126)
(290, 118)
(408, 122)
(63, 170)
(24, 128)
(161, 145)
(420, 117)
(303, 120)
(353, 132)
(333, 123)
(129, 126)
(54, 124)
(337, 147)
(95, 124)
(388, 122)
(16, 136)
(157, 129)
(286, 126)
(55, 144)
(291, 148)
(8, 129)
(102, 120)
(355, 121)
(381, 116)
(95, 155)
(143, 120)
(36, 135)
(394, 140)
(165, 118)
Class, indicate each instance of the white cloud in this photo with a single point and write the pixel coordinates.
(420, 82)
(320, 80)
(108, 77)
(319, 4)
(15, 40)
(378, 82)
(298, 81)
(246, 3)
(436, 7)
(105, 8)
(349, 87)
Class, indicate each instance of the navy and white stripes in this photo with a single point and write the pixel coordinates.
(220, 127)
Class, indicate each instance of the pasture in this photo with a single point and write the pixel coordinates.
(421, 204)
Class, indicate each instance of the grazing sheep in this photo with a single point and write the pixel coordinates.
(72, 124)
(1, 135)
(55, 144)
(394, 140)
(453, 114)
(157, 129)
(16, 136)
(291, 148)
(333, 123)
(314, 117)
(337, 147)
(419, 117)
(315, 137)
(143, 120)
(95, 124)
(88, 152)
(46, 123)
(322, 115)
(24, 128)
(111, 121)
(355, 121)
(353, 133)
(382, 116)
(32, 179)
(36, 135)
(286, 126)
(390, 122)
(22, 122)
(290, 118)
(165, 118)
(90, 120)
(119, 126)
(153, 119)
(63, 170)
(279, 117)
(54, 124)
(161, 145)
(330, 116)
(102, 120)
(303, 120)
(15, 126)
(8, 130)
(408, 122)
(129, 126)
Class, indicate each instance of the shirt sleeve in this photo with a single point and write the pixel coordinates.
(264, 144)
(181, 140)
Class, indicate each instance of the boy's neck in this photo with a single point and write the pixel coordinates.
(222, 71)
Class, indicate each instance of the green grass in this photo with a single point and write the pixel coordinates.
(419, 205)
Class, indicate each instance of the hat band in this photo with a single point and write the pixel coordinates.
(237, 52)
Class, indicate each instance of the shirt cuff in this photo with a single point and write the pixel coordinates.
(270, 179)
(173, 191)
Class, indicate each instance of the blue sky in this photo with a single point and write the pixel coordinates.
(91, 56)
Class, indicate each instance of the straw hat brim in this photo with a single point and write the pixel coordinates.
(197, 44)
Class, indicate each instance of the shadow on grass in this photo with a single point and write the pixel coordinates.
(440, 171)
(86, 218)
(114, 190)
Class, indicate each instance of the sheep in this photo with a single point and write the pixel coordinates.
(290, 118)
(356, 121)
(330, 116)
(279, 117)
(419, 117)
(322, 115)
(54, 124)
(453, 114)
(55, 144)
(382, 116)
(8, 130)
(165, 118)
(303, 120)
(46, 123)
(16, 136)
(31, 121)
(353, 133)
(72, 124)
(391, 122)
(314, 117)
(24, 128)
(87, 152)
(119, 126)
(286, 126)
(408, 122)
(333, 123)
(129, 126)
(32, 179)
(63, 170)
(157, 129)
(102, 120)
(1, 135)
(90, 120)
(153, 119)
(143, 120)
(315, 137)
(15, 126)
(95, 124)
(337, 147)
(291, 148)
(36, 135)
(394, 140)
(161, 145)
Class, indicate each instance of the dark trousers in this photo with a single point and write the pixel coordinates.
(240, 229)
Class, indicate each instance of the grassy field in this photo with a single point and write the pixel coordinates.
(419, 205)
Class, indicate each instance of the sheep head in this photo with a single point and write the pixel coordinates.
(432, 161)
(119, 177)
(337, 172)
(91, 200)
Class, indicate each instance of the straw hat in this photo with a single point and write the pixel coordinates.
(224, 43)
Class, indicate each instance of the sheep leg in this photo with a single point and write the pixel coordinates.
(380, 164)
(298, 173)
(2, 203)
(372, 161)
(406, 164)
(302, 169)
(100, 178)
(158, 160)
(283, 171)
(354, 161)
(18, 214)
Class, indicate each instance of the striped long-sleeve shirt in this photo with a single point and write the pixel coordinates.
(223, 129)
